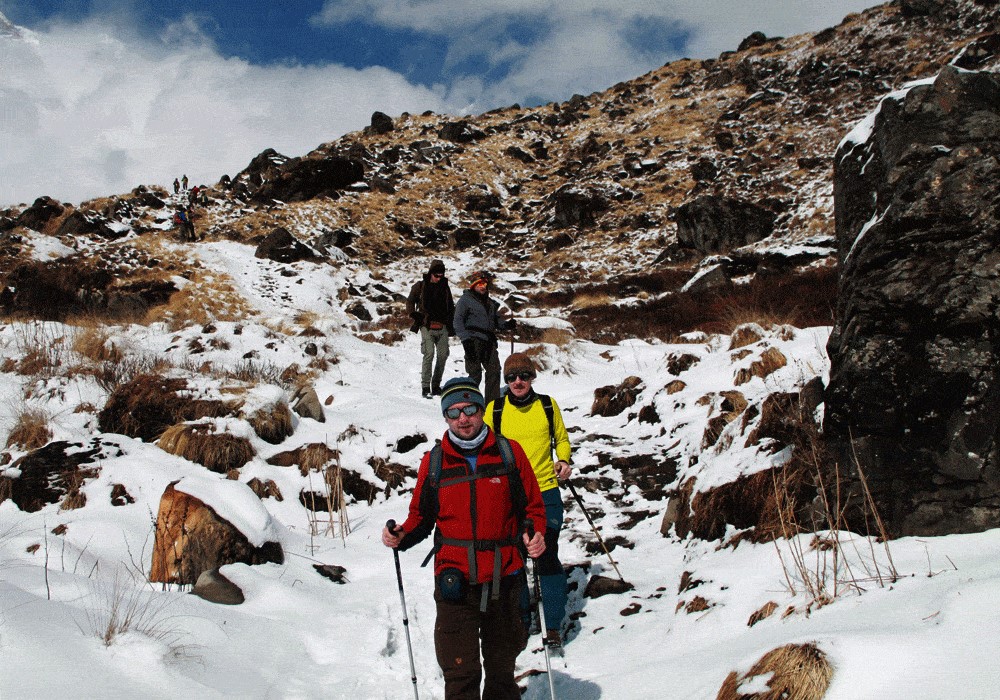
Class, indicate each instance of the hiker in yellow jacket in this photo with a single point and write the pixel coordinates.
(534, 421)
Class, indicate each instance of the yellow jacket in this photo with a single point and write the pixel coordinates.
(529, 426)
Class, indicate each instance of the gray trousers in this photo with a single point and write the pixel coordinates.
(431, 342)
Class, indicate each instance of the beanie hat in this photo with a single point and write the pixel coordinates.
(518, 362)
(461, 390)
(437, 267)
(477, 277)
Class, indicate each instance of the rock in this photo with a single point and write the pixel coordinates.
(381, 123)
(713, 224)
(281, 246)
(913, 385)
(576, 206)
(301, 179)
(191, 538)
(216, 588)
(599, 586)
(335, 573)
(43, 210)
(612, 400)
(306, 403)
(461, 131)
(752, 41)
(79, 223)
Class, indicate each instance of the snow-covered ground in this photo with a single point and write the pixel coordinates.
(930, 633)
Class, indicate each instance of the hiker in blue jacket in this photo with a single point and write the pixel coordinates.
(477, 321)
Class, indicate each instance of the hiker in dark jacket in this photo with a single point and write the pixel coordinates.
(478, 509)
(477, 321)
(432, 309)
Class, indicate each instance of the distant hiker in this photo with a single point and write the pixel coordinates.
(193, 195)
(479, 493)
(182, 218)
(203, 197)
(432, 309)
(535, 423)
(184, 181)
(177, 186)
(477, 320)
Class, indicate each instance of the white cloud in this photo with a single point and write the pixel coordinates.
(583, 45)
(88, 110)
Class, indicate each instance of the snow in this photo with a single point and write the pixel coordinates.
(930, 632)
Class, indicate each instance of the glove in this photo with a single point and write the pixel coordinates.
(510, 325)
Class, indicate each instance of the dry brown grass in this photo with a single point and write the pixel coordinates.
(209, 297)
(218, 452)
(799, 672)
(31, 429)
(272, 423)
(94, 343)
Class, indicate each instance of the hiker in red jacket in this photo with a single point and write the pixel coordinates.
(478, 489)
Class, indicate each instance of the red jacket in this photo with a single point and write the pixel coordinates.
(495, 517)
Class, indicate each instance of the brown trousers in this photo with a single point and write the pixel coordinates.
(461, 630)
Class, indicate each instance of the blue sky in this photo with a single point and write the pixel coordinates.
(97, 96)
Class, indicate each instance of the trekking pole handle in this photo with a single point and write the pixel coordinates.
(391, 524)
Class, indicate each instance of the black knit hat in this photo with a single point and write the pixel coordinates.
(437, 267)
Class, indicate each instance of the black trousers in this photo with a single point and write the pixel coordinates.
(462, 631)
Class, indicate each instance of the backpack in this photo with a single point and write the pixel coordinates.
(518, 496)
(546, 405)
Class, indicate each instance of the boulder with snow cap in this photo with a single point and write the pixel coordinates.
(204, 523)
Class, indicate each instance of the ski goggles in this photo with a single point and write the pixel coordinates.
(470, 410)
(523, 376)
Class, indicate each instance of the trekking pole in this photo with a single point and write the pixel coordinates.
(530, 527)
(391, 524)
(594, 528)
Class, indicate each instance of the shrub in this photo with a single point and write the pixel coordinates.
(149, 404)
(794, 671)
(218, 452)
(31, 430)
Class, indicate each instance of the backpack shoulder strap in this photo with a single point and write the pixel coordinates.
(518, 496)
(429, 503)
(498, 405)
(549, 413)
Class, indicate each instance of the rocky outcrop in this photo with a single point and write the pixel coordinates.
(915, 351)
(715, 224)
(281, 246)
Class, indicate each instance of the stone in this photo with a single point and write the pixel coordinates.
(192, 538)
(216, 588)
(913, 384)
(712, 224)
(281, 246)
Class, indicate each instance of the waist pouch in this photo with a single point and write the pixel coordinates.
(436, 325)
(451, 584)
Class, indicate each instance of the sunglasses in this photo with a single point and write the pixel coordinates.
(470, 410)
(523, 376)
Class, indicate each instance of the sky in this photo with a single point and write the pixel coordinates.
(99, 96)
(929, 633)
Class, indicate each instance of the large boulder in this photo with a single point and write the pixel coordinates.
(915, 349)
(281, 246)
(203, 524)
(711, 224)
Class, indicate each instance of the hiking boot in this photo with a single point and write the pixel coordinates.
(436, 389)
(427, 392)
(553, 640)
